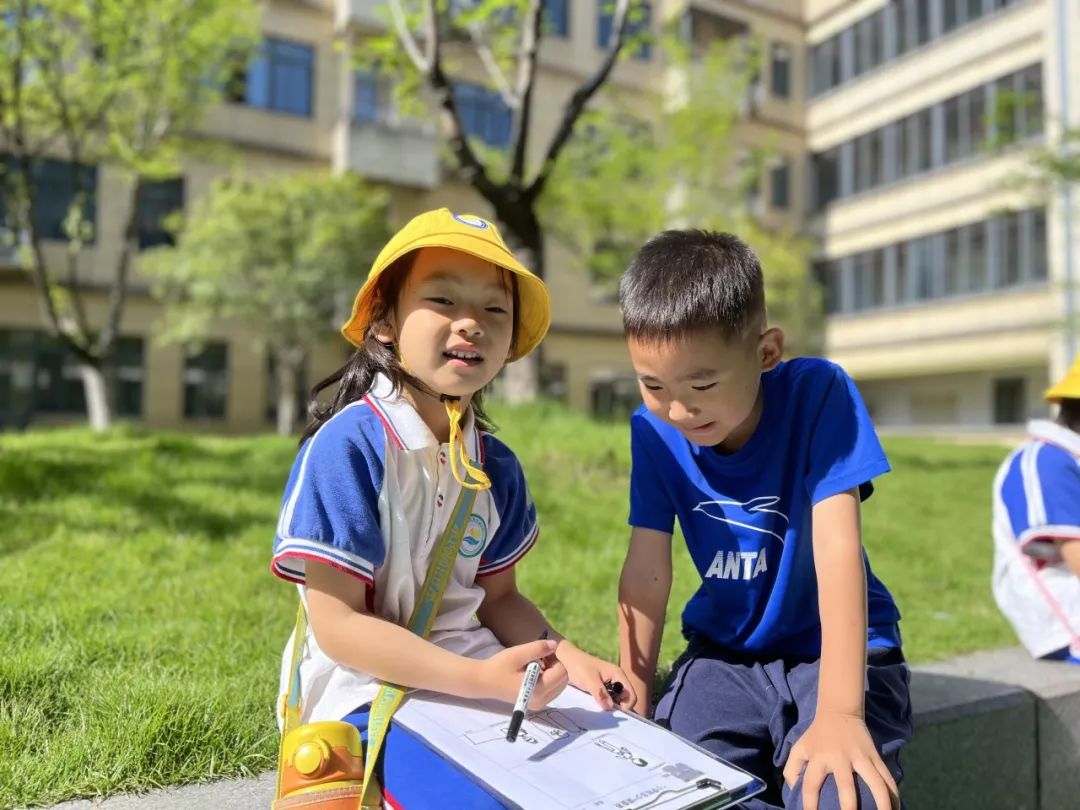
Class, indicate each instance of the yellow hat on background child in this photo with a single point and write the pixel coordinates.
(1068, 387)
(469, 234)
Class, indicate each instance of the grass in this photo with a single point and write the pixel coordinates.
(143, 629)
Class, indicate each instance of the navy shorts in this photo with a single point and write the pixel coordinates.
(414, 777)
(750, 711)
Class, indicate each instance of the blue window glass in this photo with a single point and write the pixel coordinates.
(156, 201)
(56, 183)
(366, 96)
(281, 77)
(557, 17)
(484, 114)
(639, 24)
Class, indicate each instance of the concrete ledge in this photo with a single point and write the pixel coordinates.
(993, 730)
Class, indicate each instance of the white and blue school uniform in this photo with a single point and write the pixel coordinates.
(370, 494)
(746, 686)
(1037, 505)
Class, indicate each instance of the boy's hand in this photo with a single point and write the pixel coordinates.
(840, 744)
(589, 674)
(502, 674)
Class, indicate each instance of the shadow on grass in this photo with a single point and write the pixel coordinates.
(914, 461)
(146, 483)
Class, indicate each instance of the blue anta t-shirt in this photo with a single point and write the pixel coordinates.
(746, 516)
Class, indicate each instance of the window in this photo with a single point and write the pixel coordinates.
(281, 78)
(58, 386)
(206, 382)
(780, 70)
(128, 376)
(638, 27)
(370, 97)
(869, 49)
(956, 133)
(484, 114)
(834, 66)
(826, 168)
(1029, 91)
(56, 182)
(557, 18)
(922, 22)
(156, 200)
(918, 140)
(902, 279)
(868, 160)
(978, 259)
(1009, 400)
(869, 268)
(976, 102)
(17, 377)
(955, 261)
(1011, 269)
(779, 181)
(921, 256)
(1038, 245)
(950, 15)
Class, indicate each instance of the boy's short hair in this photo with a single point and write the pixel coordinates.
(685, 281)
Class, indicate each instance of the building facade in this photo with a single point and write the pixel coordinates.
(946, 280)
(945, 288)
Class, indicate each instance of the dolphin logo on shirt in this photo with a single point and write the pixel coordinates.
(740, 513)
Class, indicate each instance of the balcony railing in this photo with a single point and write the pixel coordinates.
(403, 153)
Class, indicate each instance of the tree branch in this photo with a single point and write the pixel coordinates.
(118, 293)
(405, 37)
(471, 169)
(576, 105)
(526, 81)
(491, 67)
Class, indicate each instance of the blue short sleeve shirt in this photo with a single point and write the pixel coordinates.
(746, 516)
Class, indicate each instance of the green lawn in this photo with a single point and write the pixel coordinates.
(142, 628)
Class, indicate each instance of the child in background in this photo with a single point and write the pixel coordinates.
(1036, 579)
(445, 306)
(793, 669)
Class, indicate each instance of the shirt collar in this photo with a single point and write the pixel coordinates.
(407, 428)
(1044, 430)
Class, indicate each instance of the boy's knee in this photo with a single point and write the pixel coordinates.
(829, 799)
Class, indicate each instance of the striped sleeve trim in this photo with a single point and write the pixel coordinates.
(511, 559)
(1041, 542)
(288, 561)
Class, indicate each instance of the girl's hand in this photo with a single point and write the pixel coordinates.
(839, 744)
(501, 675)
(591, 674)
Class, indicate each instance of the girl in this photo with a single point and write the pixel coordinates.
(445, 306)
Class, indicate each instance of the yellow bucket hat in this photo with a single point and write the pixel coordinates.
(1068, 387)
(469, 234)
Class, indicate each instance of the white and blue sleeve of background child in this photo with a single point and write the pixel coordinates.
(518, 528)
(1042, 495)
(650, 506)
(330, 512)
(844, 448)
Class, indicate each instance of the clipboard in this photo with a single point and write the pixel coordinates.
(573, 756)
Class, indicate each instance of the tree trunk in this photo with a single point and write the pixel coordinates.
(521, 379)
(288, 362)
(98, 407)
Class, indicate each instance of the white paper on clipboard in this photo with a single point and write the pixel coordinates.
(573, 756)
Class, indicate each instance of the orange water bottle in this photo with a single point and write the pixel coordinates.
(322, 767)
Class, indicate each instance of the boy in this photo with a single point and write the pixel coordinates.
(1036, 577)
(793, 666)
